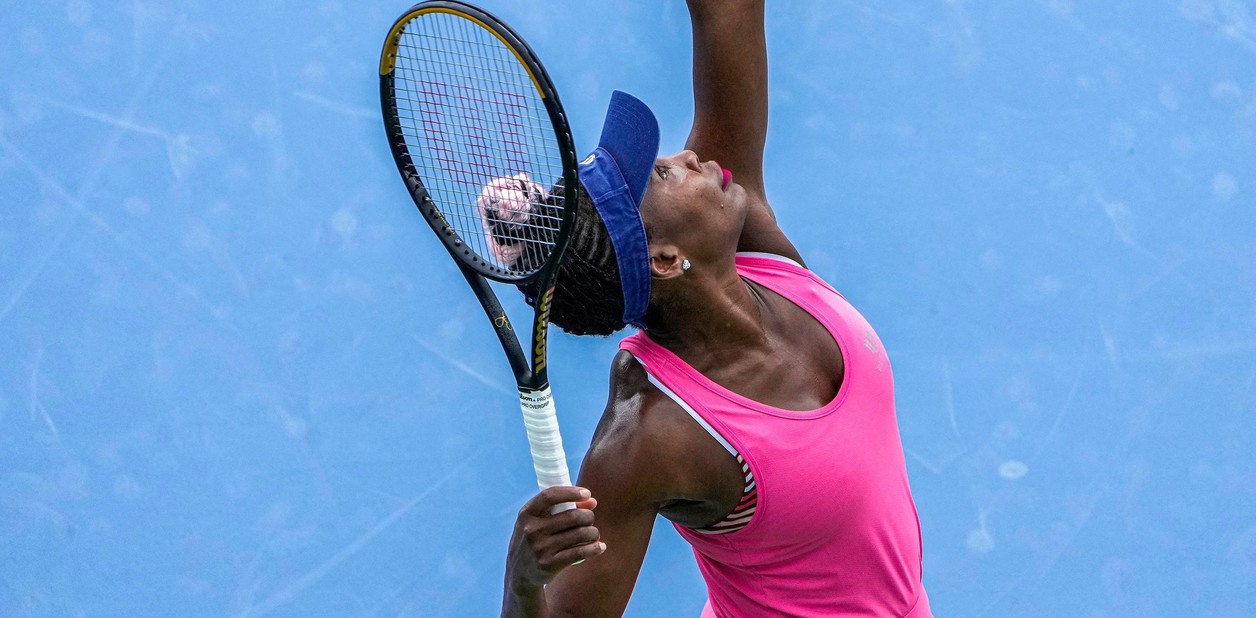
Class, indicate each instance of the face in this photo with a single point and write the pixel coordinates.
(695, 206)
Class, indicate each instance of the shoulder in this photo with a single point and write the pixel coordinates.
(637, 413)
(642, 435)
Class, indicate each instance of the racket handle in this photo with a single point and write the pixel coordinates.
(541, 420)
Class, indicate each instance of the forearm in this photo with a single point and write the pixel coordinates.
(729, 42)
(523, 602)
(730, 85)
(730, 94)
(546, 543)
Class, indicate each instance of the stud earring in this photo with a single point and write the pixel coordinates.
(684, 264)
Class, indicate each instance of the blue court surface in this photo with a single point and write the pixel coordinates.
(239, 378)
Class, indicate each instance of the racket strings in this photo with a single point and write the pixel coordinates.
(473, 119)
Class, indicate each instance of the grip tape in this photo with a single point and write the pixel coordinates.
(548, 459)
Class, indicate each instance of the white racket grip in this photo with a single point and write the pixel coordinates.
(541, 420)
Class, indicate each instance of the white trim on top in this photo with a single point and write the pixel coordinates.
(687, 408)
(769, 256)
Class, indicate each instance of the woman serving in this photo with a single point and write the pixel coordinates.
(754, 406)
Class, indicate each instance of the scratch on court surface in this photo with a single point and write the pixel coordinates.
(78, 205)
(344, 109)
(57, 187)
(45, 257)
(868, 9)
(963, 37)
(102, 225)
(1243, 549)
(1243, 35)
(1045, 564)
(121, 123)
(245, 593)
(1198, 350)
(1080, 517)
(930, 466)
(463, 367)
(39, 509)
(1163, 350)
(1068, 403)
(1064, 10)
(283, 597)
(807, 79)
(90, 181)
(950, 398)
(1109, 346)
(1118, 214)
(1234, 24)
(178, 151)
(37, 409)
(34, 274)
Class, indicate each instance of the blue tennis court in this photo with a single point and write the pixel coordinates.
(238, 378)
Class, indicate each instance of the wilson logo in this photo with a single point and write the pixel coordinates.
(538, 338)
(870, 342)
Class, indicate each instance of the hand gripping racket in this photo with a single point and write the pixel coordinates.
(483, 146)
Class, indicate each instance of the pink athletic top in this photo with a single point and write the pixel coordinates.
(835, 532)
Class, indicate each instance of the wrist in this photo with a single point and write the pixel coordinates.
(525, 588)
(524, 599)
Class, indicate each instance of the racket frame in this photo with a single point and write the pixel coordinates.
(530, 369)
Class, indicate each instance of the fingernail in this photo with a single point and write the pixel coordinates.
(601, 546)
(584, 494)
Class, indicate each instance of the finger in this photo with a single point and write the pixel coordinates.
(540, 504)
(576, 555)
(568, 539)
(536, 529)
(589, 504)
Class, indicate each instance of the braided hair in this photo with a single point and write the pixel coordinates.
(588, 299)
(520, 218)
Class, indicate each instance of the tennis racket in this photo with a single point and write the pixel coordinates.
(483, 146)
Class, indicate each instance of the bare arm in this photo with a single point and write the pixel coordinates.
(602, 585)
(629, 469)
(730, 88)
(552, 584)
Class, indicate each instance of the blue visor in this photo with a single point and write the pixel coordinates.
(614, 177)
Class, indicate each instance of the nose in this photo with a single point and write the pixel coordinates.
(689, 159)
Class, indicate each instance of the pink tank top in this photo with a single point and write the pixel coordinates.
(835, 532)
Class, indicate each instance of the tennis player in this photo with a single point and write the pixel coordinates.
(754, 406)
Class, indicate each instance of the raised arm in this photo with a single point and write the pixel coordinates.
(730, 93)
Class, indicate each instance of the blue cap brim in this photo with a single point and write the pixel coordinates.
(615, 178)
(631, 135)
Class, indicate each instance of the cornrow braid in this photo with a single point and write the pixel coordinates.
(588, 299)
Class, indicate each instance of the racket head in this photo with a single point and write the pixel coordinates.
(481, 140)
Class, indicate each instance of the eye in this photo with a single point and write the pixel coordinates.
(662, 171)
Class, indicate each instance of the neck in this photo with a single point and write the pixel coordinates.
(704, 315)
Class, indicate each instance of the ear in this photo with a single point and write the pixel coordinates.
(665, 261)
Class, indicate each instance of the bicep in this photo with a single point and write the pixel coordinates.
(624, 517)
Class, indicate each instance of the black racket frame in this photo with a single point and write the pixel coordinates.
(528, 376)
